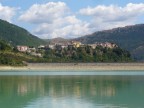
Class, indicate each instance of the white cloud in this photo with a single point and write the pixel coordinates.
(114, 13)
(107, 17)
(66, 27)
(55, 19)
(44, 13)
(6, 13)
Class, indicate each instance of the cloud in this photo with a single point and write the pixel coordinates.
(55, 19)
(66, 27)
(114, 13)
(6, 13)
(44, 13)
(107, 17)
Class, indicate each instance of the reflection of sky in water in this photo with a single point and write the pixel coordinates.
(47, 102)
(33, 73)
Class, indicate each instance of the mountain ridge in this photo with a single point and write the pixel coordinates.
(129, 37)
(57, 40)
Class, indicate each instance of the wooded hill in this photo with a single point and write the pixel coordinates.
(130, 38)
(17, 35)
(86, 54)
(10, 56)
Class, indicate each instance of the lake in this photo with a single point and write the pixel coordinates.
(112, 89)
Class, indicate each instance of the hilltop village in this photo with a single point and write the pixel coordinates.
(59, 46)
(71, 52)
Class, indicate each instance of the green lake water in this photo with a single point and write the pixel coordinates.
(120, 89)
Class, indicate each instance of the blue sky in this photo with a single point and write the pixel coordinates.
(71, 18)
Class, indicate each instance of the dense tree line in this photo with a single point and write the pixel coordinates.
(87, 54)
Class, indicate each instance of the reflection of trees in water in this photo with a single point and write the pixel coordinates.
(16, 91)
(20, 90)
(20, 85)
(63, 85)
(84, 86)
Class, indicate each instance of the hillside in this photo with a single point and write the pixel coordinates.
(57, 40)
(9, 56)
(17, 35)
(86, 54)
(130, 38)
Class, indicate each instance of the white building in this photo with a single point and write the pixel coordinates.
(41, 47)
(51, 46)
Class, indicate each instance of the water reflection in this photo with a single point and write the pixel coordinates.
(71, 91)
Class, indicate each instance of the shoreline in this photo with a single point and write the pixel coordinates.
(76, 67)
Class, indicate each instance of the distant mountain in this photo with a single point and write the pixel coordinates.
(130, 38)
(57, 40)
(17, 35)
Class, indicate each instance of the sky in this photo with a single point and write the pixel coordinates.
(71, 18)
